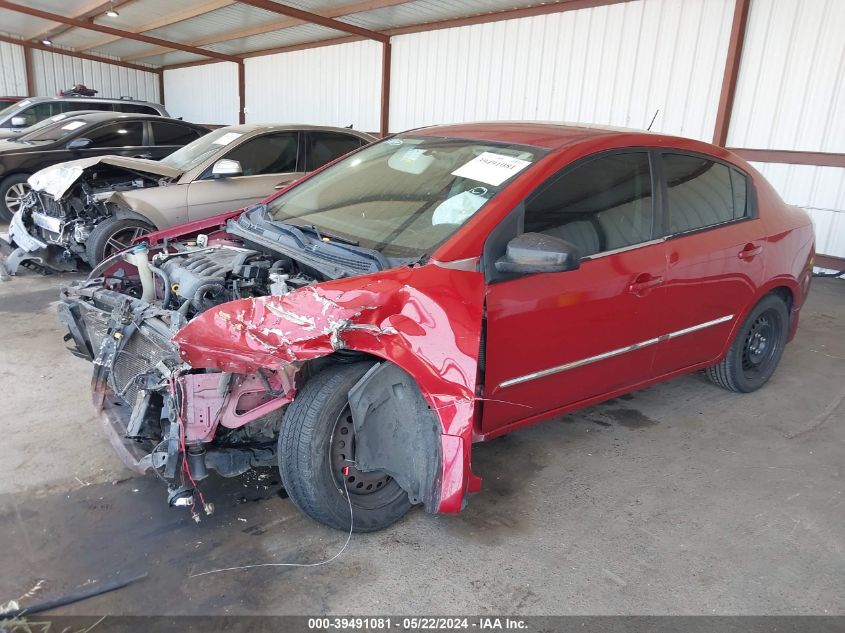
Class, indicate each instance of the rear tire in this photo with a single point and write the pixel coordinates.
(757, 349)
(316, 441)
(113, 235)
(12, 191)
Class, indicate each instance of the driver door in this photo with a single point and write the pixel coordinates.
(267, 162)
(557, 339)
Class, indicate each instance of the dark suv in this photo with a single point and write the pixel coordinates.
(18, 116)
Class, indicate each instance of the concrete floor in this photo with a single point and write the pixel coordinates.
(680, 499)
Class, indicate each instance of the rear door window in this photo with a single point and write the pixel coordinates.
(702, 193)
(324, 147)
(275, 153)
(135, 108)
(122, 134)
(599, 206)
(166, 133)
(73, 106)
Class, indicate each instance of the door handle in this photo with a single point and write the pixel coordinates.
(142, 156)
(281, 185)
(750, 251)
(644, 282)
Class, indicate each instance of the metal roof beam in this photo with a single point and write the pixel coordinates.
(97, 8)
(273, 25)
(172, 18)
(94, 58)
(19, 8)
(283, 9)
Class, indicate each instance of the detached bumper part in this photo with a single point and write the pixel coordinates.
(20, 247)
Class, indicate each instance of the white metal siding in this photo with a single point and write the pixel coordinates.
(332, 85)
(12, 70)
(821, 191)
(203, 94)
(612, 65)
(791, 87)
(54, 72)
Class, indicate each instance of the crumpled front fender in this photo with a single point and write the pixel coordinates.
(426, 320)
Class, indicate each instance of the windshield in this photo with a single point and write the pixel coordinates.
(52, 129)
(9, 109)
(405, 196)
(194, 154)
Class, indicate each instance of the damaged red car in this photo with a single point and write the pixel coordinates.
(363, 328)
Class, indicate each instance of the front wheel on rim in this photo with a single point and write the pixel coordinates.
(13, 192)
(317, 458)
(757, 349)
(113, 235)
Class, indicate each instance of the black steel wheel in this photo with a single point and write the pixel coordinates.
(757, 349)
(317, 458)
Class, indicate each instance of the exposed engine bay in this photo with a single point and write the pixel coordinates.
(165, 415)
(67, 222)
(181, 424)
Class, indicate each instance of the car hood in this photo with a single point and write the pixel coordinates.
(57, 179)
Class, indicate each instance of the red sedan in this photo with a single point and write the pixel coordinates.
(363, 328)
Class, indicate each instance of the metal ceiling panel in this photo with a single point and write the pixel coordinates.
(286, 37)
(423, 11)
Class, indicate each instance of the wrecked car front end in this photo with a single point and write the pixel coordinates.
(68, 201)
(187, 382)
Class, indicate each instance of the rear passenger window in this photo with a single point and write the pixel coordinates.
(599, 206)
(121, 134)
(134, 108)
(324, 147)
(702, 193)
(173, 133)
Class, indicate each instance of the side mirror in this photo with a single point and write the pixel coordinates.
(78, 143)
(226, 168)
(538, 253)
(18, 121)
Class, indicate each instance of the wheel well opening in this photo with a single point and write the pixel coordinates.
(786, 294)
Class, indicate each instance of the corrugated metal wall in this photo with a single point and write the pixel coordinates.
(613, 65)
(53, 72)
(12, 70)
(203, 94)
(332, 85)
(821, 191)
(791, 96)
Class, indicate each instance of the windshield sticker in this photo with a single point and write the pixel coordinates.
(73, 125)
(23, 103)
(227, 138)
(458, 209)
(394, 141)
(491, 168)
(58, 117)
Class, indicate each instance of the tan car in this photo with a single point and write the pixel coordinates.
(90, 208)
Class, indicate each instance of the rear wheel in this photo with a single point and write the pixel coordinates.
(317, 442)
(13, 191)
(756, 350)
(113, 235)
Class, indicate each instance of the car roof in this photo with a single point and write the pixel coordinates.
(96, 99)
(249, 128)
(550, 135)
(95, 117)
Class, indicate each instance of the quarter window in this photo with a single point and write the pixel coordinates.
(599, 206)
(702, 193)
